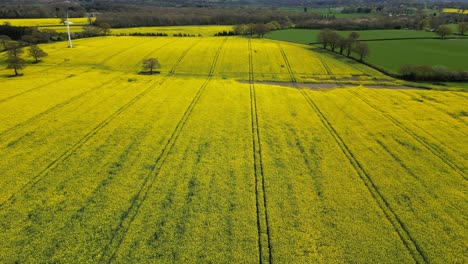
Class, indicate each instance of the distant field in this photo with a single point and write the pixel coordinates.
(226, 157)
(455, 11)
(192, 30)
(310, 35)
(391, 55)
(40, 22)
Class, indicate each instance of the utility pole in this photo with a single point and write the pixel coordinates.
(70, 45)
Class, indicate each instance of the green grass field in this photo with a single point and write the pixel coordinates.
(226, 157)
(392, 54)
(310, 35)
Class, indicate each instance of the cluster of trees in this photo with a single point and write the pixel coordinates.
(357, 24)
(344, 45)
(443, 31)
(14, 50)
(33, 35)
(259, 29)
(432, 73)
(38, 10)
(200, 16)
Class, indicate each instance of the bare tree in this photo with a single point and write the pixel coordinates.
(14, 61)
(362, 49)
(444, 31)
(151, 64)
(463, 27)
(105, 28)
(343, 43)
(261, 29)
(36, 52)
(324, 37)
(334, 40)
(352, 38)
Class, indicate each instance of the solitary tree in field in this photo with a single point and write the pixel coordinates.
(36, 52)
(14, 61)
(463, 27)
(444, 31)
(151, 64)
(362, 49)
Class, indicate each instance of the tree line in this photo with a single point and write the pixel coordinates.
(343, 45)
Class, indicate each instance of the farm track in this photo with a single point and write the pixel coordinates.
(410, 243)
(419, 139)
(258, 168)
(57, 106)
(130, 214)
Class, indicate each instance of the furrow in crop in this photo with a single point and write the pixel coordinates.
(57, 106)
(31, 90)
(154, 50)
(34, 180)
(258, 168)
(172, 71)
(416, 137)
(140, 197)
(438, 108)
(404, 234)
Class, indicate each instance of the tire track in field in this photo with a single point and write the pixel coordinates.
(258, 168)
(415, 136)
(325, 65)
(65, 155)
(91, 199)
(101, 62)
(172, 70)
(154, 50)
(97, 191)
(51, 68)
(130, 214)
(400, 228)
(57, 106)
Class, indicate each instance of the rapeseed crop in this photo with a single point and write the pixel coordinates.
(215, 159)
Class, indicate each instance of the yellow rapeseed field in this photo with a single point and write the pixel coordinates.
(42, 22)
(239, 151)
